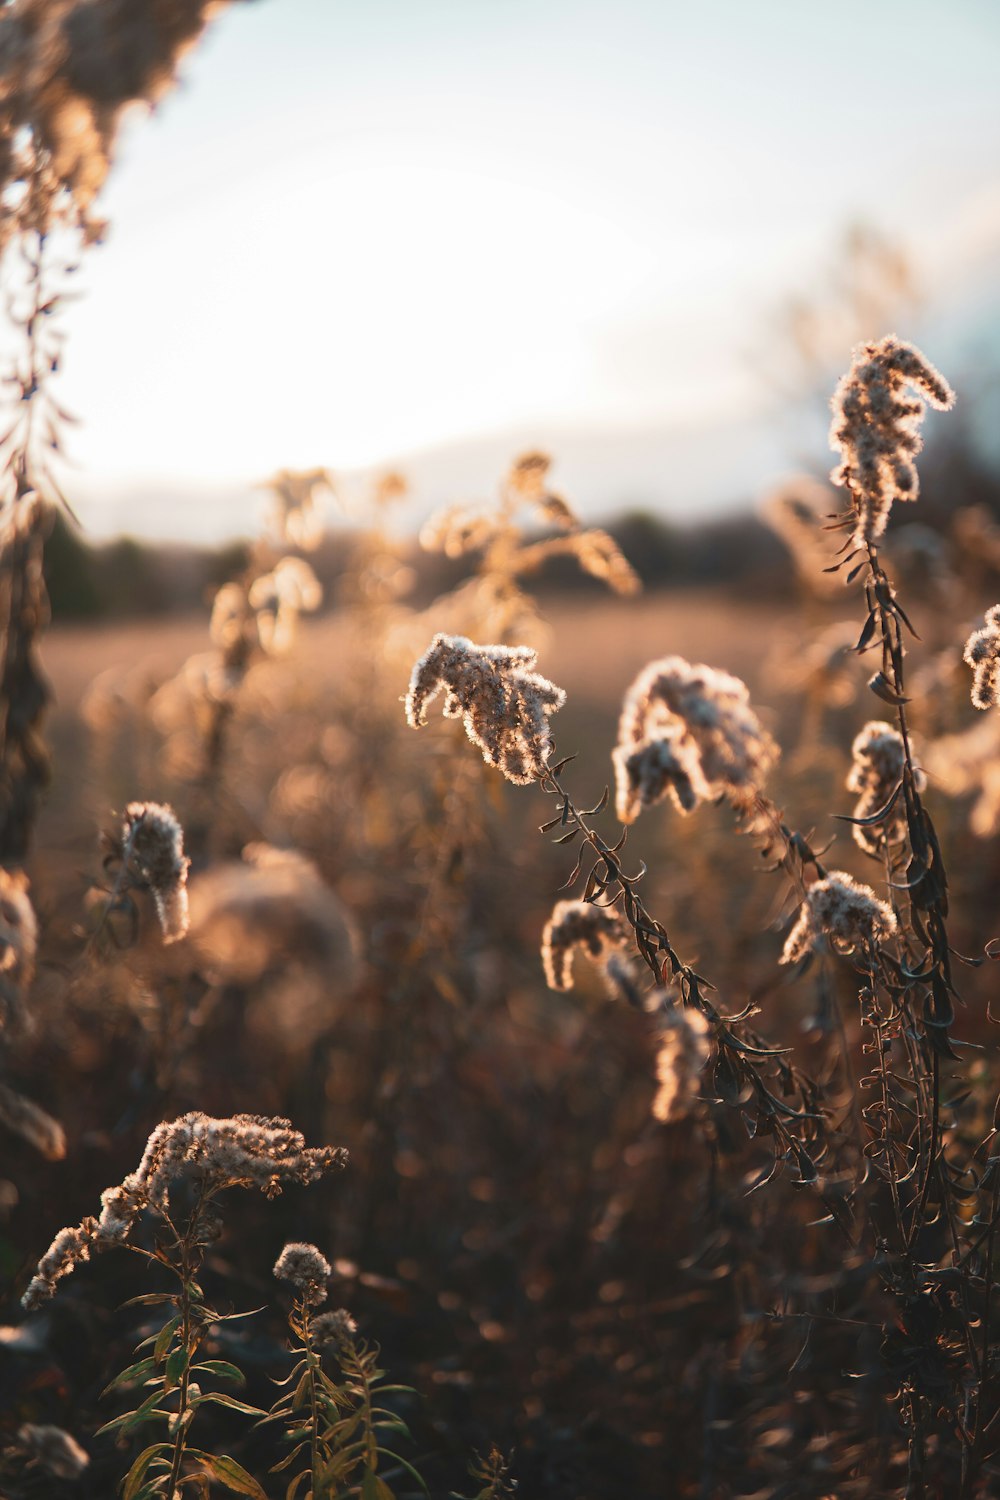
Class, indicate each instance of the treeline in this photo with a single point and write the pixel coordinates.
(128, 578)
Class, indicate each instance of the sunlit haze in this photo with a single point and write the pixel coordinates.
(359, 234)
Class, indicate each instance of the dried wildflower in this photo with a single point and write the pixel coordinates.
(67, 71)
(28, 1120)
(244, 1151)
(622, 975)
(334, 1330)
(690, 731)
(982, 654)
(844, 912)
(578, 924)
(232, 626)
(876, 428)
(528, 475)
(456, 531)
(153, 842)
(307, 1269)
(278, 598)
(682, 1055)
(879, 757)
(53, 1450)
(295, 515)
(600, 555)
(18, 947)
(527, 483)
(504, 704)
(70, 1248)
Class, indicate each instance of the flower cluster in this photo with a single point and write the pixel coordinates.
(244, 1151)
(153, 843)
(879, 757)
(18, 947)
(334, 1330)
(598, 930)
(842, 911)
(876, 428)
(504, 704)
(982, 653)
(690, 731)
(683, 1053)
(307, 1269)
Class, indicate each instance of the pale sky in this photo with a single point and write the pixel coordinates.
(363, 229)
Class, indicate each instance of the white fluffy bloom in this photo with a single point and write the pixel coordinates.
(153, 842)
(690, 731)
(243, 1151)
(876, 771)
(876, 428)
(504, 704)
(578, 924)
(982, 653)
(842, 911)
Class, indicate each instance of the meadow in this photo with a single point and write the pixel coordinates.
(498, 1037)
(611, 1288)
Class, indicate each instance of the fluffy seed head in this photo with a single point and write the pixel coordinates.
(578, 924)
(843, 912)
(504, 704)
(334, 1330)
(876, 428)
(243, 1151)
(680, 1060)
(690, 731)
(982, 654)
(154, 854)
(306, 1268)
(876, 770)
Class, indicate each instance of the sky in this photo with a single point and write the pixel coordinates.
(407, 229)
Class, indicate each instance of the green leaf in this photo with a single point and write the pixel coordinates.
(132, 1375)
(289, 1459)
(300, 1396)
(133, 1479)
(144, 1413)
(394, 1424)
(388, 1453)
(150, 1299)
(221, 1369)
(177, 1363)
(165, 1337)
(221, 1399)
(233, 1475)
